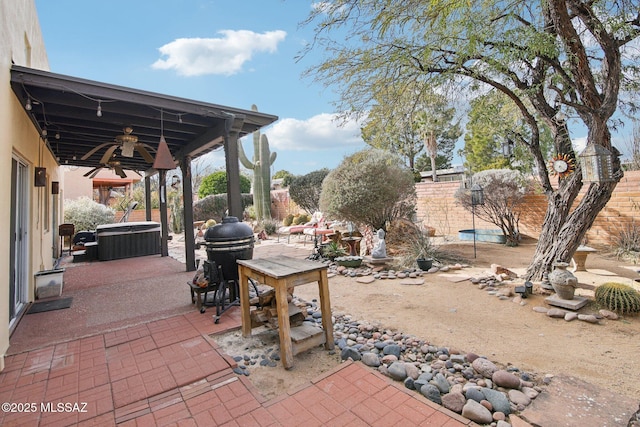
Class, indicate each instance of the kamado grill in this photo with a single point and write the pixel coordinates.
(226, 242)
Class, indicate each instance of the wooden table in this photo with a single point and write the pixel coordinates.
(282, 273)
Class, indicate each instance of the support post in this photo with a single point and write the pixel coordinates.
(164, 222)
(234, 197)
(187, 209)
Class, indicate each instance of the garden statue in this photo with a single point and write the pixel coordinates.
(380, 249)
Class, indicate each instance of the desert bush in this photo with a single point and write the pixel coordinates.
(618, 297)
(371, 187)
(215, 206)
(300, 219)
(504, 191)
(288, 220)
(269, 226)
(305, 190)
(216, 183)
(85, 214)
(627, 243)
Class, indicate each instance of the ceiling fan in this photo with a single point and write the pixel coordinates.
(127, 144)
(113, 164)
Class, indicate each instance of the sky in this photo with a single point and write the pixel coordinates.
(233, 53)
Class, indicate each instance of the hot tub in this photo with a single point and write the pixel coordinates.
(128, 239)
(493, 236)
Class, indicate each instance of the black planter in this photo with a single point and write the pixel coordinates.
(425, 264)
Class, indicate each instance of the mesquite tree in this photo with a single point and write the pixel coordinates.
(546, 56)
(261, 163)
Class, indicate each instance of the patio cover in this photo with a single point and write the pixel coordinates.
(74, 115)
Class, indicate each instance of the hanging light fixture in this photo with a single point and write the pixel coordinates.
(164, 159)
(99, 111)
(596, 164)
(28, 106)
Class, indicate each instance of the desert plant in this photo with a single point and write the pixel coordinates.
(504, 191)
(618, 297)
(269, 226)
(333, 250)
(305, 190)
(288, 220)
(371, 187)
(260, 164)
(85, 214)
(627, 243)
(216, 183)
(215, 206)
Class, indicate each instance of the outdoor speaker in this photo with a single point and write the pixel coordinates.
(41, 177)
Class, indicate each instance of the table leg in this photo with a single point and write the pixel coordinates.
(243, 280)
(325, 307)
(284, 329)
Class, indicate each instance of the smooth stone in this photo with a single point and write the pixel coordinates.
(498, 400)
(518, 397)
(441, 382)
(556, 313)
(570, 316)
(608, 314)
(505, 379)
(370, 359)
(454, 401)
(484, 367)
(409, 383)
(432, 393)
(393, 349)
(539, 309)
(397, 371)
(589, 318)
(530, 392)
(474, 393)
(412, 370)
(350, 353)
(388, 359)
(476, 412)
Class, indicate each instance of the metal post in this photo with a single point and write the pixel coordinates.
(473, 215)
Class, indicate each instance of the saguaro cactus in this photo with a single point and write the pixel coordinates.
(263, 158)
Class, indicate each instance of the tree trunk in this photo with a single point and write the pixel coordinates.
(564, 229)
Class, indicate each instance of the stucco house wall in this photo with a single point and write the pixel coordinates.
(21, 43)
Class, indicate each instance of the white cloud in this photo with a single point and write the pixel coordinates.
(224, 55)
(318, 133)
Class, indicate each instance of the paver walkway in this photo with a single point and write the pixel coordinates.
(169, 371)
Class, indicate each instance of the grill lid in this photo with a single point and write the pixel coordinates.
(229, 230)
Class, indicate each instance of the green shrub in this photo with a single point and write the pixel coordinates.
(85, 214)
(216, 183)
(215, 207)
(618, 297)
(269, 226)
(287, 220)
(371, 187)
(627, 243)
(305, 190)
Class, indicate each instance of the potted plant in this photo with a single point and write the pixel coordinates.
(421, 248)
(333, 250)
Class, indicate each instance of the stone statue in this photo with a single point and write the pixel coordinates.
(380, 249)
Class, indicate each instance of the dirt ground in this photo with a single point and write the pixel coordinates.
(455, 313)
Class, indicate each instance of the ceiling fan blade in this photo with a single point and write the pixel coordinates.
(93, 175)
(107, 154)
(144, 153)
(94, 149)
(92, 171)
(120, 172)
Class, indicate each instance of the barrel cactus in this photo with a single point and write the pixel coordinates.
(618, 297)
